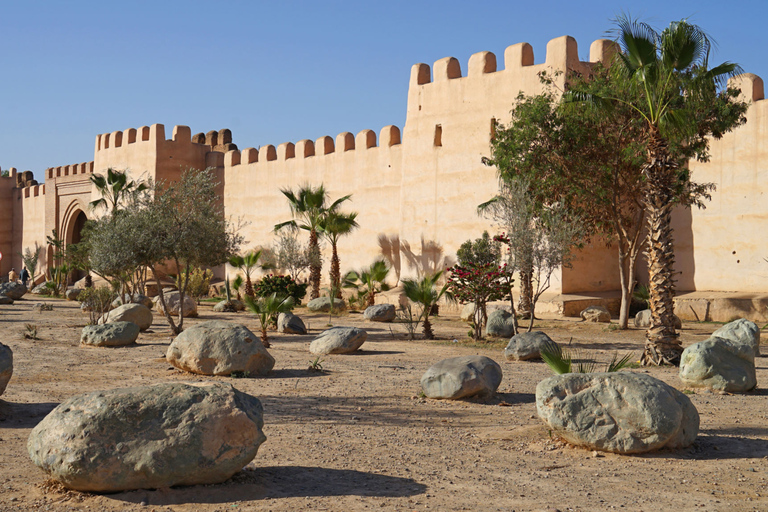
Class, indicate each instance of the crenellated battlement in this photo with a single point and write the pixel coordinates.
(69, 170)
(32, 191)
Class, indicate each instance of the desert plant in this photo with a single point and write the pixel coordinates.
(293, 257)
(237, 284)
(316, 365)
(30, 258)
(97, 301)
(405, 316)
(115, 188)
(266, 310)
(199, 283)
(425, 293)
(642, 294)
(336, 224)
(368, 282)
(30, 332)
(562, 361)
(282, 286)
(247, 263)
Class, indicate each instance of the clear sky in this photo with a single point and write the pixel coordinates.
(278, 71)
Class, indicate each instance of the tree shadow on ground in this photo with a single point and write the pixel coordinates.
(281, 482)
(23, 415)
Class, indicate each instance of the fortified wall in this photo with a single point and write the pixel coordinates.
(416, 189)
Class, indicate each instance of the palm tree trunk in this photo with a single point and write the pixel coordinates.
(315, 268)
(335, 271)
(662, 343)
(248, 287)
(428, 334)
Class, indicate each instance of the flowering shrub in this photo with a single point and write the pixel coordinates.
(480, 283)
(282, 286)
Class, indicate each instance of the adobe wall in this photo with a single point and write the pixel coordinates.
(7, 185)
(29, 223)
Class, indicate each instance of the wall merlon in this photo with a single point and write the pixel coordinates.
(420, 74)
(249, 155)
(182, 134)
(481, 63)
(324, 145)
(232, 158)
(389, 136)
(365, 139)
(286, 150)
(198, 138)
(212, 138)
(305, 148)
(562, 52)
(447, 68)
(268, 152)
(518, 55)
(602, 50)
(130, 135)
(345, 141)
(157, 132)
(69, 170)
(225, 136)
(116, 139)
(751, 86)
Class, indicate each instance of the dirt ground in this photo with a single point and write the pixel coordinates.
(358, 436)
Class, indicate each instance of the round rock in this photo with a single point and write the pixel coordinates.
(461, 377)
(500, 324)
(173, 303)
(719, 364)
(4, 301)
(338, 340)
(72, 293)
(468, 312)
(643, 319)
(219, 348)
(6, 366)
(13, 291)
(596, 314)
(113, 334)
(618, 412)
(136, 298)
(136, 313)
(528, 345)
(288, 323)
(741, 331)
(380, 313)
(149, 437)
(236, 305)
(323, 305)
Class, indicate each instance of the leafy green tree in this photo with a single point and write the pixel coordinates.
(667, 81)
(309, 207)
(115, 188)
(426, 293)
(267, 309)
(369, 281)
(335, 225)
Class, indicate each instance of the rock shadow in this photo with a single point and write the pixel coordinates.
(23, 415)
(719, 444)
(281, 482)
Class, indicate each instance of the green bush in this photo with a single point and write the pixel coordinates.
(282, 286)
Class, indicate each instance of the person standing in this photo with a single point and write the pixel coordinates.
(13, 277)
(24, 276)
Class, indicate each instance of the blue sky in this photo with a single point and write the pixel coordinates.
(277, 71)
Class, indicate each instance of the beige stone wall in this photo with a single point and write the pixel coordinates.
(6, 222)
(29, 223)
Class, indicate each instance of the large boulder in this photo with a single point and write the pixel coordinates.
(338, 340)
(288, 323)
(528, 345)
(173, 303)
(149, 437)
(741, 331)
(72, 293)
(136, 298)
(113, 334)
(6, 366)
(596, 314)
(643, 319)
(461, 377)
(323, 305)
(136, 313)
(380, 313)
(4, 301)
(500, 324)
(618, 412)
(468, 312)
(41, 289)
(219, 348)
(719, 364)
(13, 291)
(234, 306)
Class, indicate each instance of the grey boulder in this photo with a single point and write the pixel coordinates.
(136, 298)
(173, 304)
(741, 331)
(643, 319)
(323, 305)
(380, 313)
(41, 289)
(113, 334)
(136, 313)
(596, 314)
(13, 291)
(461, 377)
(72, 293)
(236, 305)
(528, 345)
(288, 323)
(618, 412)
(338, 340)
(219, 348)
(500, 324)
(5, 300)
(719, 364)
(149, 437)
(6, 366)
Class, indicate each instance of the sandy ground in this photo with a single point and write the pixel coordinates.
(359, 437)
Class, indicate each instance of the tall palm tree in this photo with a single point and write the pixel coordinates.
(308, 207)
(669, 84)
(114, 188)
(335, 225)
(426, 293)
(247, 263)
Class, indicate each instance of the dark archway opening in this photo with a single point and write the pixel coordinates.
(75, 237)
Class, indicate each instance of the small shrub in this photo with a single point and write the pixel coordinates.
(199, 283)
(408, 319)
(31, 333)
(281, 286)
(240, 375)
(563, 361)
(97, 301)
(316, 365)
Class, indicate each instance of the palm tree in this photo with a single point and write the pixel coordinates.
(335, 225)
(266, 310)
(372, 279)
(308, 209)
(670, 85)
(114, 187)
(247, 263)
(425, 293)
